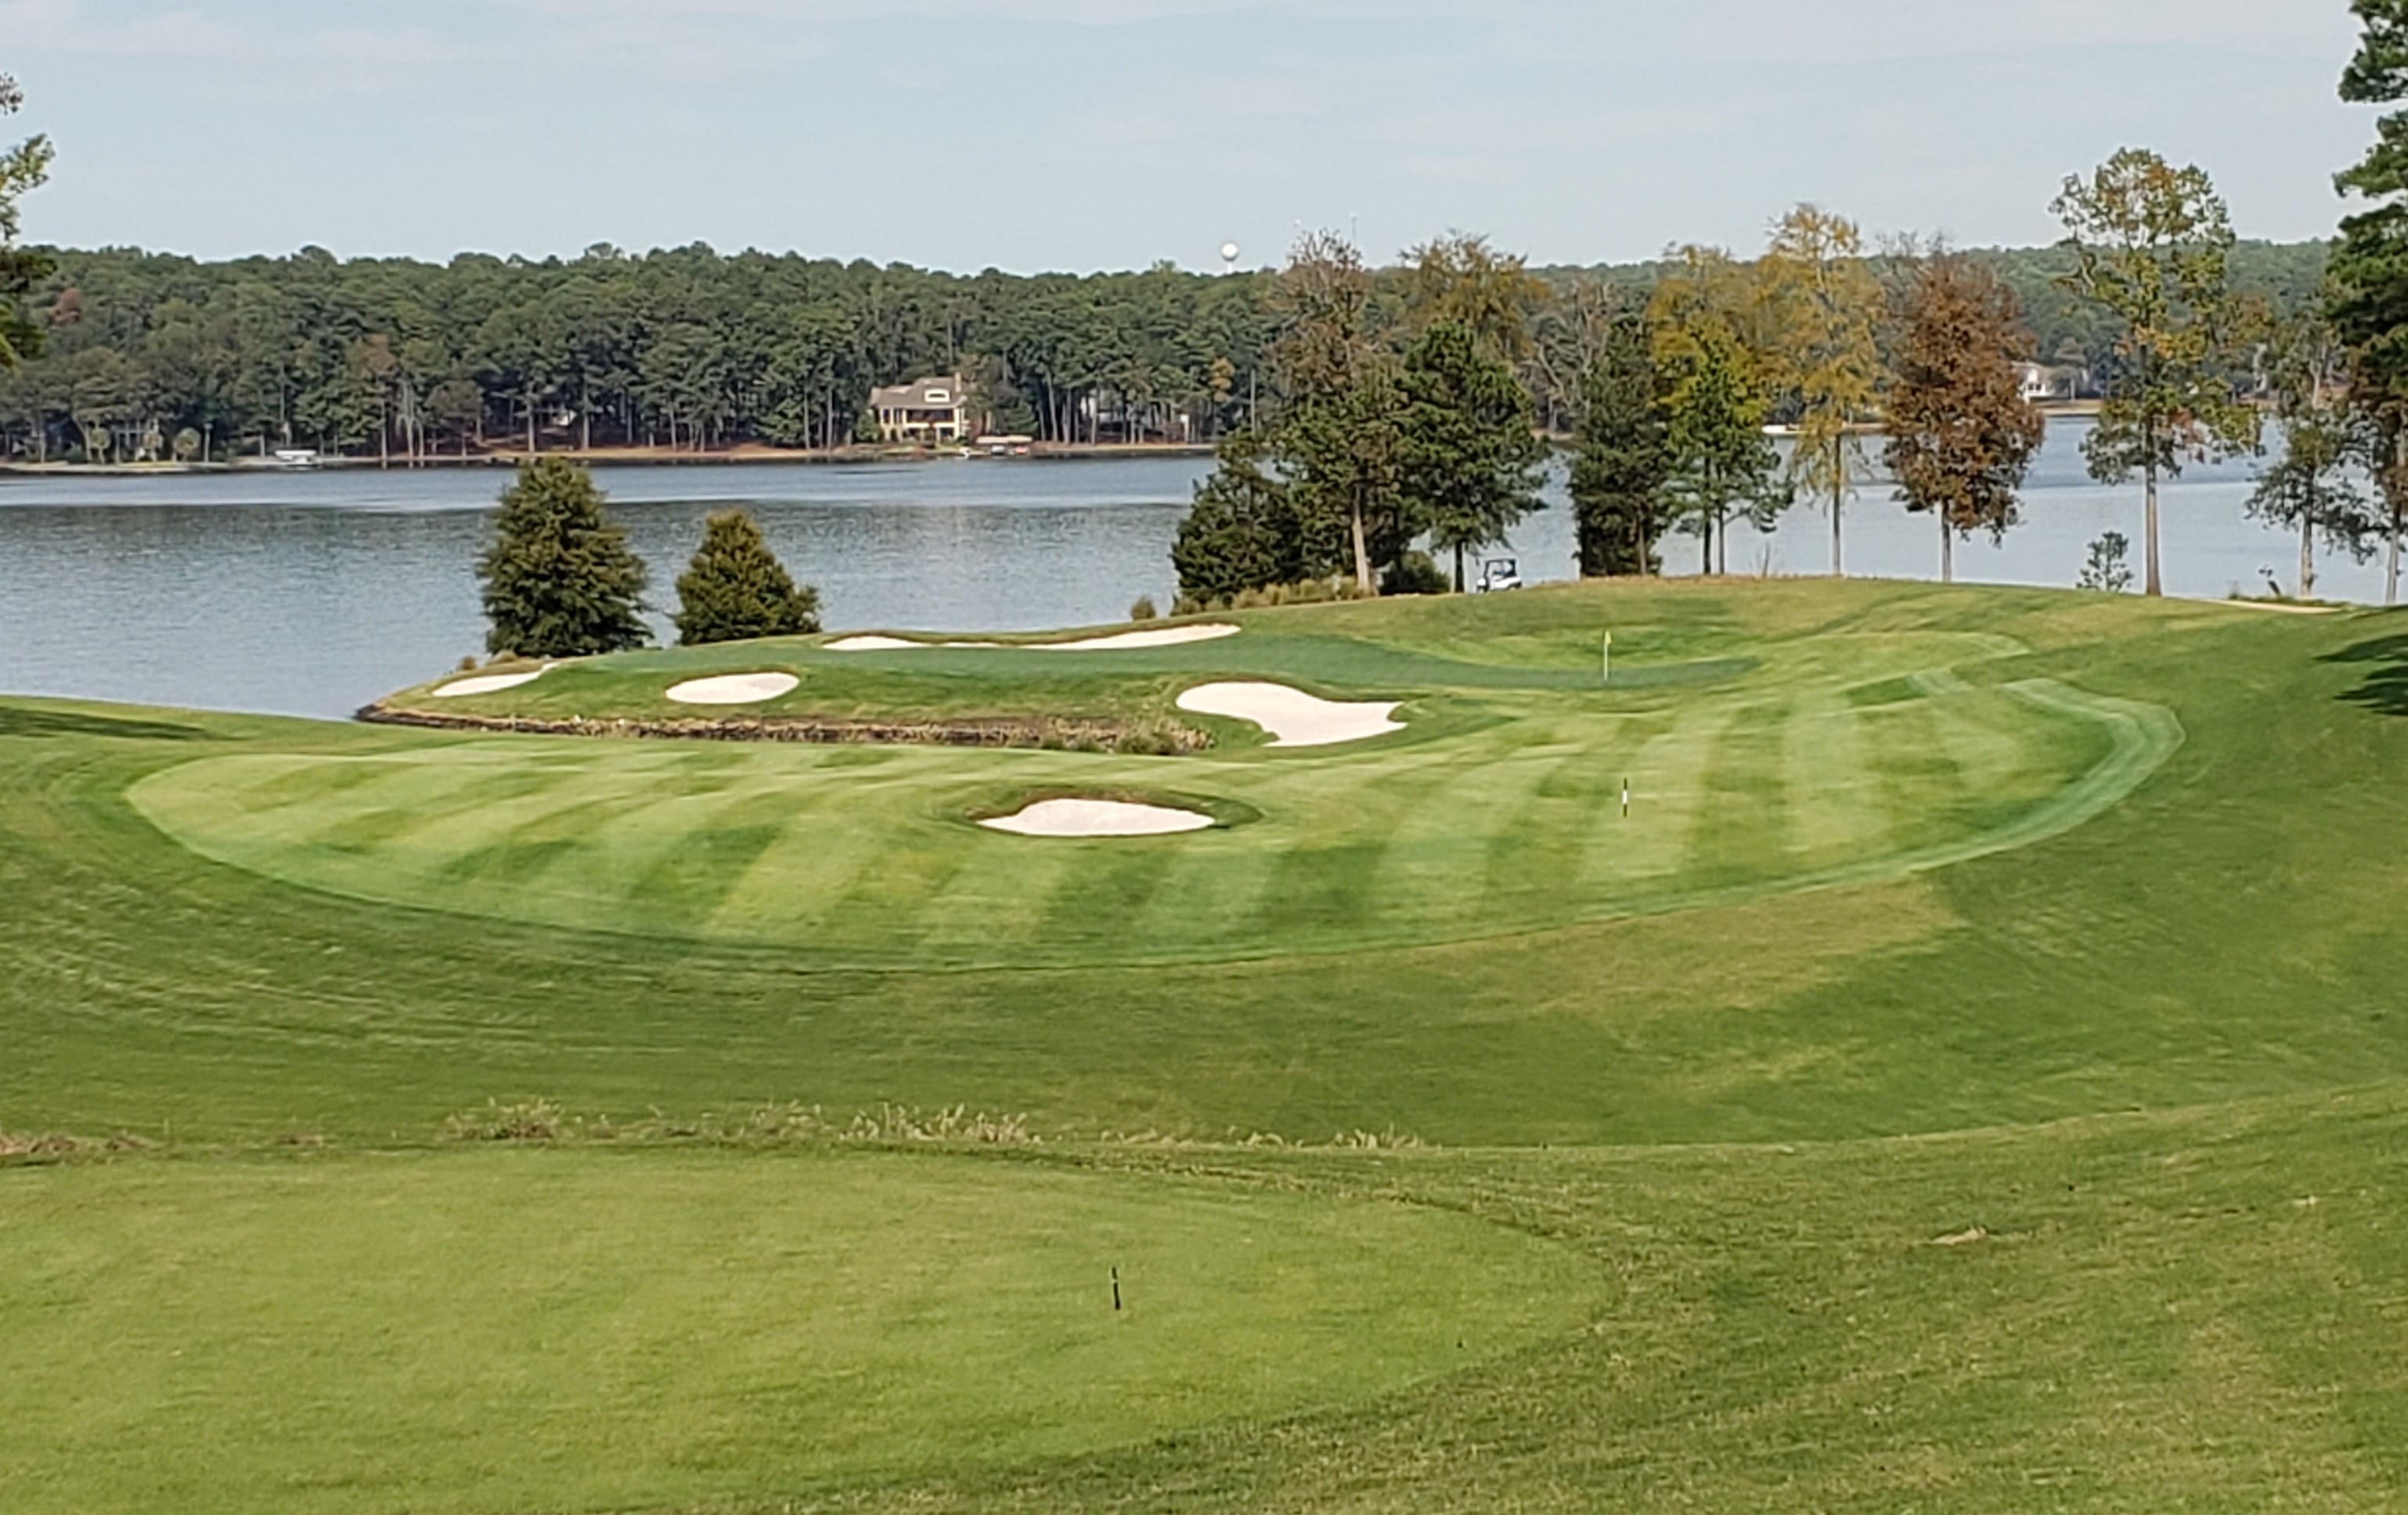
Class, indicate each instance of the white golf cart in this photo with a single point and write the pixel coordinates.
(1497, 575)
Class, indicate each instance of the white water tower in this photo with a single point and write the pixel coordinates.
(1228, 258)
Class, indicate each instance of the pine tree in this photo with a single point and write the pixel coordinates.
(1469, 444)
(1621, 467)
(2370, 267)
(560, 581)
(736, 589)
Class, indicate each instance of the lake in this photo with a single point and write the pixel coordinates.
(311, 594)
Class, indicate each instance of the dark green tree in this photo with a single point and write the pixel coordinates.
(1622, 464)
(2369, 271)
(22, 168)
(736, 589)
(1241, 532)
(1469, 444)
(1722, 465)
(559, 578)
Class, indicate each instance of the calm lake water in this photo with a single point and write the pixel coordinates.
(311, 594)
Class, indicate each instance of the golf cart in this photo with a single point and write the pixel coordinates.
(1498, 574)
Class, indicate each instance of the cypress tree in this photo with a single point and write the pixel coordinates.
(736, 589)
(1622, 463)
(559, 578)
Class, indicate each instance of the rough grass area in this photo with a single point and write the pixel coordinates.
(1974, 1080)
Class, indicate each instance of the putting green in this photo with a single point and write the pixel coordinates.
(1852, 758)
(510, 1330)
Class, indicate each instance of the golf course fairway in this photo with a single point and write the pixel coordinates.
(1971, 1075)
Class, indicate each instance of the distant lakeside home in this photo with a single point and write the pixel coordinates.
(927, 410)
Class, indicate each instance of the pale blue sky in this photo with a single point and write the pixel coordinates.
(1085, 134)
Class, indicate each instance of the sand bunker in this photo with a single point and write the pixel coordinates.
(1293, 717)
(486, 683)
(733, 689)
(1098, 817)
(1168, 636)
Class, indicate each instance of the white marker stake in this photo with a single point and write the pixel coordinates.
(1625, 799)
(1609, 659)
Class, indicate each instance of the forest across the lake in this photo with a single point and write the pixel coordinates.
(152, 354)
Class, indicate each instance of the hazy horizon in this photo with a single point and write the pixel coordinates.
(1071, 134)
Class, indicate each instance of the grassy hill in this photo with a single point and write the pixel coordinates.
(1971, 1076)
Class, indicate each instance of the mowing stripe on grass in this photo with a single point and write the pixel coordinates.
(1743, 831)
(1660, 838)
(1832, 806)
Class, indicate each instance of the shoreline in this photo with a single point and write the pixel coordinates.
(607, 457)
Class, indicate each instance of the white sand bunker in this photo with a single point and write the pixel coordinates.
(1293, 717)
(1098, 817)
(487, 684)
(733, 689)
(1168, 636)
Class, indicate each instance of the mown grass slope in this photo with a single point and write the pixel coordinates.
(2055, 1171)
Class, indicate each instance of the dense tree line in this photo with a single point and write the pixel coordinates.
(686, 348)
(690, 348)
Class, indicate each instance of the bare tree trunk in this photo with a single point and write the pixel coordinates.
(1947, 549)
(2156, 583)
(1839, 499)
(2308, 558)
(1362, 553)
(1458, 568)
(527, 405)
(2391, 562)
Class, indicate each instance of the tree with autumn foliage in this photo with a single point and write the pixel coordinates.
(2153, 248)
(1459, 280)
(1338, 434)
(1961, 435)
(1826, 309)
